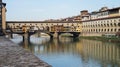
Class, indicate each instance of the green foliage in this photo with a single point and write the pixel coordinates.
(103, 38)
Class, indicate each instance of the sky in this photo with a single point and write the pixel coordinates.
(39, 10)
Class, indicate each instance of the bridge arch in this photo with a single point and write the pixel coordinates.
(75, 34)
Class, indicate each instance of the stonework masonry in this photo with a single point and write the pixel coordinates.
(12, 55)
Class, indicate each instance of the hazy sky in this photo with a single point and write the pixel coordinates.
(38, 10)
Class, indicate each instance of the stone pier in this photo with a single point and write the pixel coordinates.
(12, 55)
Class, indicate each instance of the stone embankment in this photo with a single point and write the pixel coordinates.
(12, 55)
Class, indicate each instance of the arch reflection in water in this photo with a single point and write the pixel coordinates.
(75, 52)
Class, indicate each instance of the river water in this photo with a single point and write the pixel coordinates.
(70, 52)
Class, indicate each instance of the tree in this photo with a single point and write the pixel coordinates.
(118, 34)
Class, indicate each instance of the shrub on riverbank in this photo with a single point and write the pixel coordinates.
(102, 38)
(118, 34)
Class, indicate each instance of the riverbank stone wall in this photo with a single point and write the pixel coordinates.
(12, 55)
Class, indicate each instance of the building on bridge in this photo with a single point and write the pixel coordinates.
(103, 22)
(2, 17)
(50, 26)
(73, 27)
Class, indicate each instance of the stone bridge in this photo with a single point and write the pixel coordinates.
(52, 28)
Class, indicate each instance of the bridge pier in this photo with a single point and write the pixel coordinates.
(39, 34)
(56, 35)
(26, 36)
(51, 36)
(10, 35)
(1, 32)
(76, 34)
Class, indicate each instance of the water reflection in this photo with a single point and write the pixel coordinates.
(107, 54)
(69, 52)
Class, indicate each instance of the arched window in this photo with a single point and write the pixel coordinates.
(102, 30)
(115, 24)
(111, 24)
(96, 30)
(105, 30)
(118, 30)
(105, 25)
(99, 30)
(108, 25)
(115, 30)
(91, 25)
(119, 24)
(111, 30)
(101, 25)
(91, 30)
(108, 30)
(98, 25)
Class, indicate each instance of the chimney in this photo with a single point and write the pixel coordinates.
(84, 12)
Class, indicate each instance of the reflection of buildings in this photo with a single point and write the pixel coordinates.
(107, 53)
(62, 45)
(104, 53)
(27, 45)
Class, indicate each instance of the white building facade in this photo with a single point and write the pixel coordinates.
(102, 22)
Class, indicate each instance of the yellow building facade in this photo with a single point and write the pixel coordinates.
(64, 26)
